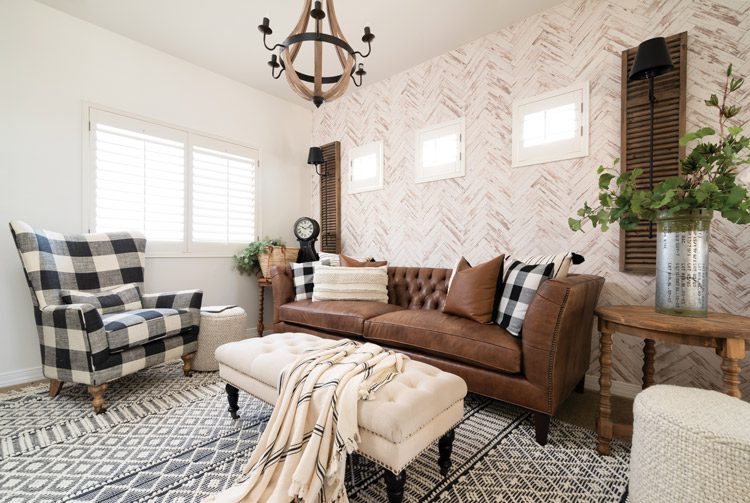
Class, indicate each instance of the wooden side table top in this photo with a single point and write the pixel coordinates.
(714, 325)
(728, 334)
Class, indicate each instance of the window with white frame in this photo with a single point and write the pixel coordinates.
(366, 168)
(440, 152)
(188, 193)
(551, 126)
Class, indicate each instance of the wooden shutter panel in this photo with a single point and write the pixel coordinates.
(330, 198)
(637, 250)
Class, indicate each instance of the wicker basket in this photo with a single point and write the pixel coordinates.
(276, 255)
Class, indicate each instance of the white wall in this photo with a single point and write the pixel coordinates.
(50, 63)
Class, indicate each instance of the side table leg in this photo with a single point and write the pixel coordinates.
(261, 297)
(603, 422)
(649, 350)
(732, 351)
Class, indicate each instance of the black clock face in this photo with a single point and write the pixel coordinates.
(306, 229)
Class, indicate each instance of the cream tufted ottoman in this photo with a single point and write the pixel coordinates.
(689, 445)
(420, 405)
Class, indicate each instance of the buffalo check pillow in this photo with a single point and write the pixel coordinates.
(303, 274)
(520, 286)
(111, 300)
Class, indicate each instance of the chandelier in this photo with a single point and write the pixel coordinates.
(289, 49)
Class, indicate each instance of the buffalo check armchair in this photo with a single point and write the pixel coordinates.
(84, 336)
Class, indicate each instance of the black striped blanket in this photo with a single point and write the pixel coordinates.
(301, 455)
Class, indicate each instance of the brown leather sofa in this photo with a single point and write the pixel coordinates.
(538, 371)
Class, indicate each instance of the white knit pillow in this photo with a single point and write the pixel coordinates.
(351, 283)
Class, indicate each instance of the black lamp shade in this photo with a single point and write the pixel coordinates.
(651, 60)
(315, 156)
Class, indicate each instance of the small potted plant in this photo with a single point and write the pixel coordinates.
(682, 206)
(258, 256)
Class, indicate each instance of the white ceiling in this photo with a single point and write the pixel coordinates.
(221, 35)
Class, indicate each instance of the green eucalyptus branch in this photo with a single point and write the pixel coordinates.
(707, 177)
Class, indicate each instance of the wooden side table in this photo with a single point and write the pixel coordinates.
(263, 282)
(726, 333)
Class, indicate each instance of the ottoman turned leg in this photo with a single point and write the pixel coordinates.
(394, 485)
(445, 448)
(233, 395)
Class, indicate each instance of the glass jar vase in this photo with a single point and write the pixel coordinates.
(682, 262)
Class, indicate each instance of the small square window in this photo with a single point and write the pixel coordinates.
(552, 126)
(440, 152)
(366, 168)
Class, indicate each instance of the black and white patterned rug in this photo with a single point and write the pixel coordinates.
(169, 438)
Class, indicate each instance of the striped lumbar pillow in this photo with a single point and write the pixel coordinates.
(351, 283)
(112, 300)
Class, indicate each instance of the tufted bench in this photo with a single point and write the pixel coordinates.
(419, 406)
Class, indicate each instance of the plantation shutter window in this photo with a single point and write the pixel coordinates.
(189, 193)
(223, 192)
(139, 179)
(551, 126)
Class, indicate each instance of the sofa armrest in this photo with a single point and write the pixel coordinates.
(182, 299)
(282, 285)
(72, 338)
(557, 334)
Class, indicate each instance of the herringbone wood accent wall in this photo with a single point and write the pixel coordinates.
(497, 209)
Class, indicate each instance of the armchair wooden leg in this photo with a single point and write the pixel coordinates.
(233, 395)
(394, 485)
(187, 364)
(54, 387)
(97, 395)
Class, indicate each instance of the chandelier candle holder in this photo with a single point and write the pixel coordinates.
(289, 49)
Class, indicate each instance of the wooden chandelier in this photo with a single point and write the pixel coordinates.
(290, 47)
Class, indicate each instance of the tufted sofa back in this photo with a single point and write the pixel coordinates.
(418, 287)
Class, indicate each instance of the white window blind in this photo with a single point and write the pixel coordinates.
(223, 194)
(187, 192)
(440, 152)
(551, 127)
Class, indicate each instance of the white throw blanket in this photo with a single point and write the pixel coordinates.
(302, 452)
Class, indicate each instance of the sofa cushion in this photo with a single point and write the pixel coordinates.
(451, 337)
(340, 316)
(135, 328)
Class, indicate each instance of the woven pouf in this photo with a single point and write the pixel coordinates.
(218, 327)
(689, 445)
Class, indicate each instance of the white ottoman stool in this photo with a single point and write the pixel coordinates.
(219, 325)
(419, 406)
(689, 445)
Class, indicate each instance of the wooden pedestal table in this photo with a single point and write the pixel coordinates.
(263, 282)
(726, 333)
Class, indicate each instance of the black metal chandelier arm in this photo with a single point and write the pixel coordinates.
(369, 50)
(271, 48)
(355, 80)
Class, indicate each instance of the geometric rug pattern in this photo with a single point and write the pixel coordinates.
(188, 447)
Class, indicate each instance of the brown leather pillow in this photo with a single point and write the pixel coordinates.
(473, 289)
(350, 262)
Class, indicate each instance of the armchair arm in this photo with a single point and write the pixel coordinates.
(282, 285)
(557, 334)
(183, 299)
(72, 338)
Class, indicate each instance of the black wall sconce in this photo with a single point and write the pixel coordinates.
(651, 60)
(315, 157)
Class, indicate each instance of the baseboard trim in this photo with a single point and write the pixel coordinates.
(22, 376)
(619, 388)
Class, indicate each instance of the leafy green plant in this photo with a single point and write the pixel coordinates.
(708, 177)
(246, 262)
